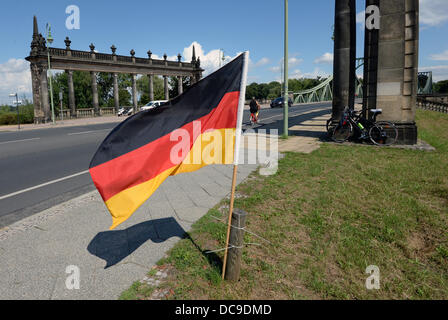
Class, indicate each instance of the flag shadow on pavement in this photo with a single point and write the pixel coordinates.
(115, 246)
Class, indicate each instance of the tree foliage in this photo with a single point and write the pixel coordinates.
(441, 86)
(143, 89)
(82, 82)
(273, 89)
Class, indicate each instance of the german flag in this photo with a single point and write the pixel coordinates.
(191, 131)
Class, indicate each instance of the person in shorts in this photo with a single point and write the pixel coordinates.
(254, 110)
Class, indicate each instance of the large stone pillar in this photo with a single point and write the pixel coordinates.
(134, 93)
(45, 96)
(344, 56)
(71, 94)
(151, 87)
(165, 85)
(370, 63)
(398, 65)
(37, 100)
(180, 85)
(116, 93)
(96, 105)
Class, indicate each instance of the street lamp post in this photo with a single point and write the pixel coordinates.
(17, 106)
(49, 42)
(286, 60)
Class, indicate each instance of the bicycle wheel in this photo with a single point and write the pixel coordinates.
(342, 132)
(330, 126)
(391, 132)
(383, 133)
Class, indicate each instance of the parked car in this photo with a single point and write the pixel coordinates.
(124, 111)
(279, 103)
(153, 105)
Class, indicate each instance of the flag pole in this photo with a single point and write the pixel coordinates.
(239, 127)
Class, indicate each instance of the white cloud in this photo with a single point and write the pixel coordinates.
(262, 62)
(440, 56)
(433, 12)
(210, 61)
(439, 73)
(326, 58)
(15, 76)
(361, 18)
(298, 74)
(293, 61)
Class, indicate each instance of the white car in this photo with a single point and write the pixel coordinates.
(153, 104)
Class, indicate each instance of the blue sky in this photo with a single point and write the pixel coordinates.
(172, 27)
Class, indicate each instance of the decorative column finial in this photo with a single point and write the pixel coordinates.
(92, 48)
(38, 43)
(67, 43)
(165, 56)
(179, 57)
(132, 53)
(149, 54)
(114, 49)
(193, 59)
(35, 27)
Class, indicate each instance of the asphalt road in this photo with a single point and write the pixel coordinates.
(45, 167)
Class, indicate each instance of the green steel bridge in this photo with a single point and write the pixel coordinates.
(324, 91)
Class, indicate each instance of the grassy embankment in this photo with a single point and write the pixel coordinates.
(329, 215)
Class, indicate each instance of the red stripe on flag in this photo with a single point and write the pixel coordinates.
(145, 163)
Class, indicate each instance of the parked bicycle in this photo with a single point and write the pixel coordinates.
(354, 125)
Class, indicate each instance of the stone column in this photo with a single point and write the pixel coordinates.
(71, 94)
(96, 105)
(45, 96)
(397, 66)
(165, 85)
(151, 87)
(344, 56)
(180, 85)
(370, 64)
(134, 93)
(37, 101)
(116, 93)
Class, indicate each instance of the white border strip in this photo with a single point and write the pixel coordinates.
(239, 122)
(43, 185)
(12, 141)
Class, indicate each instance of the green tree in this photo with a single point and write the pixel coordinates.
(82, 82)
(143, 89)
(441, 87)
(252, 91)
(174, 85)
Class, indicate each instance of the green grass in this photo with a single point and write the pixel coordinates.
(329, 215)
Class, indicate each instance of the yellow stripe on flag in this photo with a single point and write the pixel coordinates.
(212, 147)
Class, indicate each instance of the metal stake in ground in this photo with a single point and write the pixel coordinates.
(236, 245)
(229, 225)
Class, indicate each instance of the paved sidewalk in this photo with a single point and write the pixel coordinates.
(35, 252)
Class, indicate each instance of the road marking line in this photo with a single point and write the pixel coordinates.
(19, 140)
(87, 132)
(43, 185)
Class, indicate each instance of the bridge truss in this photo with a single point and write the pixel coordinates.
(324, 91)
